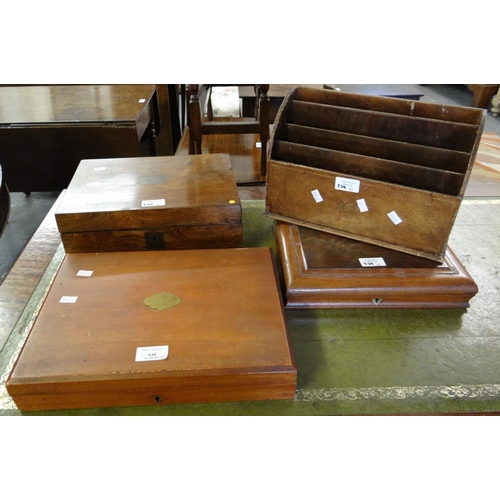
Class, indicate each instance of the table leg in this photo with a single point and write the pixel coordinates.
(152, 139)
(482, 94)
(4, 206)
(495, 105)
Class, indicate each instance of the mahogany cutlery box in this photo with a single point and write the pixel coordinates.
(151, 203)
(322, 270)
(385, 171)
(157, 327)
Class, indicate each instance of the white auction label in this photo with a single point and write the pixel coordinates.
(154, 353)
(343, 184)
(317, 196)
(67, 299)
(363, 207)
(395, 218)
(372, 262)
(84, 273)
(258, 144)
(142, 100)
(152, 203)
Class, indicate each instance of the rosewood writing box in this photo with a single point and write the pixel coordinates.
(157, 327)
(390, 172)
(151, 203)
(322, 270)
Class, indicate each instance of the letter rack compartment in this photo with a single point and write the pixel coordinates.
(385, 171)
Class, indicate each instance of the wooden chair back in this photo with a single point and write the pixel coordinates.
(199, 126)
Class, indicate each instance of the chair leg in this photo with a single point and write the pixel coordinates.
(152, 139)
(263, 117)
(4, 206)
(194, 126)
(210, 111)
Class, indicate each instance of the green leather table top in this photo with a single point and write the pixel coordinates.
(363, 362)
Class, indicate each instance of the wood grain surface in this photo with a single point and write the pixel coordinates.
(46, 130)
(187, 202)
(227, 337)
(321, 270)
(409, 177)
(242, 149)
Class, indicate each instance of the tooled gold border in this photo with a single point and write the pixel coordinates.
(19, 334)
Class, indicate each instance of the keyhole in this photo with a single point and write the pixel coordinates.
(377, 301)
(157, 399)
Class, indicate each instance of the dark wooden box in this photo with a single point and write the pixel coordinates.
(322, 270)
(151, 203)
(95, 343)
(386, 171)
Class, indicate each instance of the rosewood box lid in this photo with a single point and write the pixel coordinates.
(152, 192)
(155, 203)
